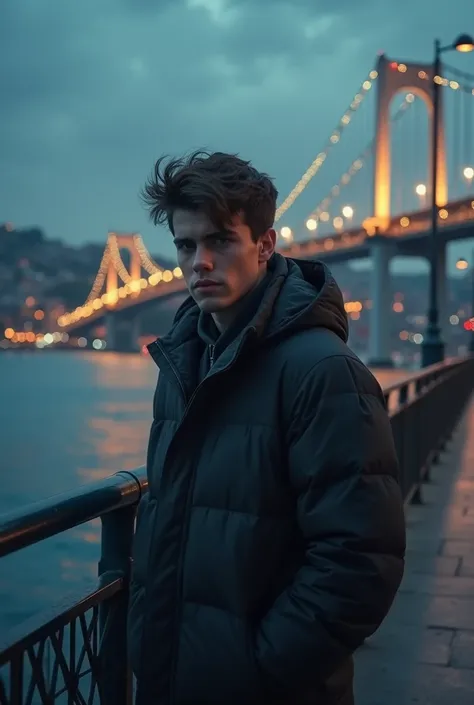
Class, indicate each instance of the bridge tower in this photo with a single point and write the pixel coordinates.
(122, 332)
(393, 77)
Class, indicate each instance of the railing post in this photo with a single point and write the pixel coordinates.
(117, 537)
(403, 394)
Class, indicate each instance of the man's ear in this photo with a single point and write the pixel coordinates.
(267, 244)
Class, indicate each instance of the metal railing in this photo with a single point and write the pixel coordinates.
(424, 410)
(77, 651)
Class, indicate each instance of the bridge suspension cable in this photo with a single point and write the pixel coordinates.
(147, 263)
(117, 260)
(100, 277)
(355, 167)
(333, 139)
(458, 72)
(463, 75)
(454, 85)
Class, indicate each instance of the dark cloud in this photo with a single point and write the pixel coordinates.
(92, 92)
(258, 32)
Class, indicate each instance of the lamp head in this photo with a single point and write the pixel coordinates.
(464, 43)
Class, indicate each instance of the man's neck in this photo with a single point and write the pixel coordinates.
(224, 319)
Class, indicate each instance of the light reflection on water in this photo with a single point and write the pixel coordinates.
(68, 419)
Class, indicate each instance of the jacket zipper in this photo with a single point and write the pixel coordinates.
(174, 636)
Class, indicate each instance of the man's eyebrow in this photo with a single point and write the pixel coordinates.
(215, 233)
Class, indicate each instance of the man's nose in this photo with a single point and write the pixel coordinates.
(202, 260)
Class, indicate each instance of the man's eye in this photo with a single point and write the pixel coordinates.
(185, 246)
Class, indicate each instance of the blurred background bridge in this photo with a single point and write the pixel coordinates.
(371, 214)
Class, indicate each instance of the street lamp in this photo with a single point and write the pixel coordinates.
(464, 43)
(462, 264)
(348, 212)
(433, 346)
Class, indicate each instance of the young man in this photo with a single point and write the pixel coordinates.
(271, 542)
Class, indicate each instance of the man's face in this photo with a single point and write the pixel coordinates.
(219, 266)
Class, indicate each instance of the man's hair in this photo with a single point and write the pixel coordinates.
(220, 185)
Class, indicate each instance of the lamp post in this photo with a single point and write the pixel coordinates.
(433, 346)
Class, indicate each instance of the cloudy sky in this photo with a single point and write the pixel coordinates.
(93, 91)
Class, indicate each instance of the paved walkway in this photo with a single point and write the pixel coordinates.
(424, 651)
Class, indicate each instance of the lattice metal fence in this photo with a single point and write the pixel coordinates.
(62, 666)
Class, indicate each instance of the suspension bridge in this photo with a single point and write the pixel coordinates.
(382, 217)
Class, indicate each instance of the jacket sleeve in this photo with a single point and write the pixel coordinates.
(344, 471)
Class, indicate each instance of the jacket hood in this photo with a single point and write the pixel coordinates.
(308, 297)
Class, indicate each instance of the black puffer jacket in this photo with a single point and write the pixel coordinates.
(271, 542)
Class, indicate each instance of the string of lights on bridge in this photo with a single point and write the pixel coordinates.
(321, 210)
(334, 138)
(42, 340)
(320, 213)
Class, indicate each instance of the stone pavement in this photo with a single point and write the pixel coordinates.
(424, 651)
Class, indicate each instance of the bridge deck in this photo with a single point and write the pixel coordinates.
(424, 652)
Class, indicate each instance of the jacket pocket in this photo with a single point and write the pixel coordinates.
(216, 659)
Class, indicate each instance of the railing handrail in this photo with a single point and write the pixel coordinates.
(426, 373)
(40, 520)
(28, 525)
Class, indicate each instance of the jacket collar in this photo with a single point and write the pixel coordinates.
(180, 350)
